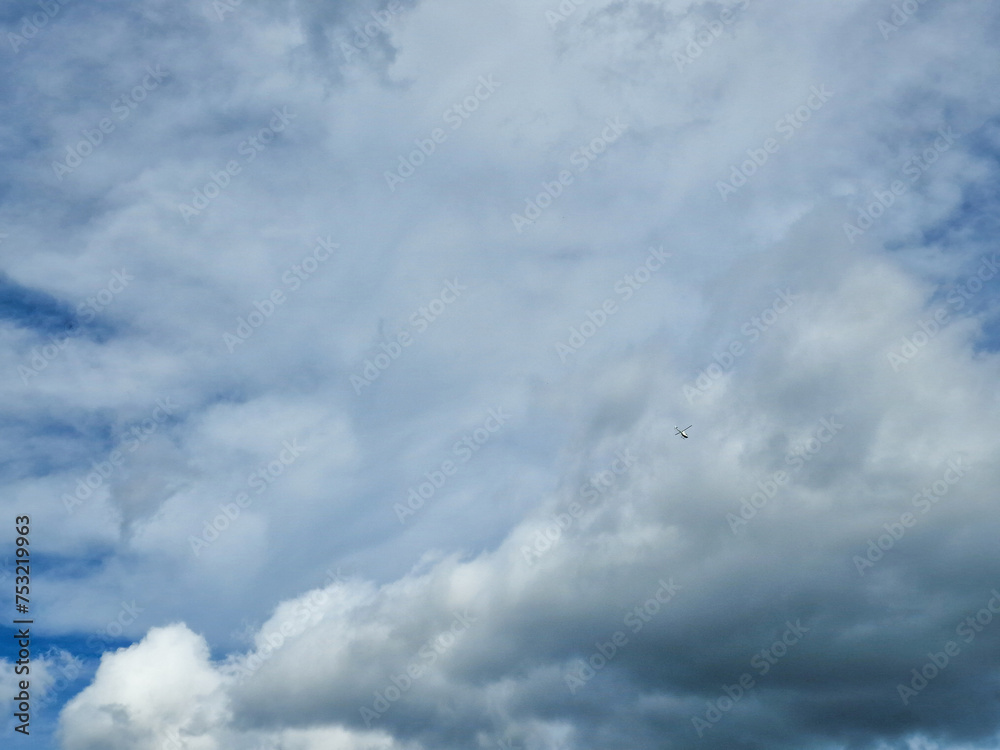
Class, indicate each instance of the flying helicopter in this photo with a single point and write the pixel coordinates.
(683, 433)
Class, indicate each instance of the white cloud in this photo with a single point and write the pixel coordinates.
(141, 696)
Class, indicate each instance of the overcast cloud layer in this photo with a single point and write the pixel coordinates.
(344, 344)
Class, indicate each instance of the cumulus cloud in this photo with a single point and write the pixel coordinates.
(141, 695)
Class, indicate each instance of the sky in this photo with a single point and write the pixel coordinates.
(344, 346)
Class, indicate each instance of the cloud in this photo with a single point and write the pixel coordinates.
(551, 245)
(141, 693)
